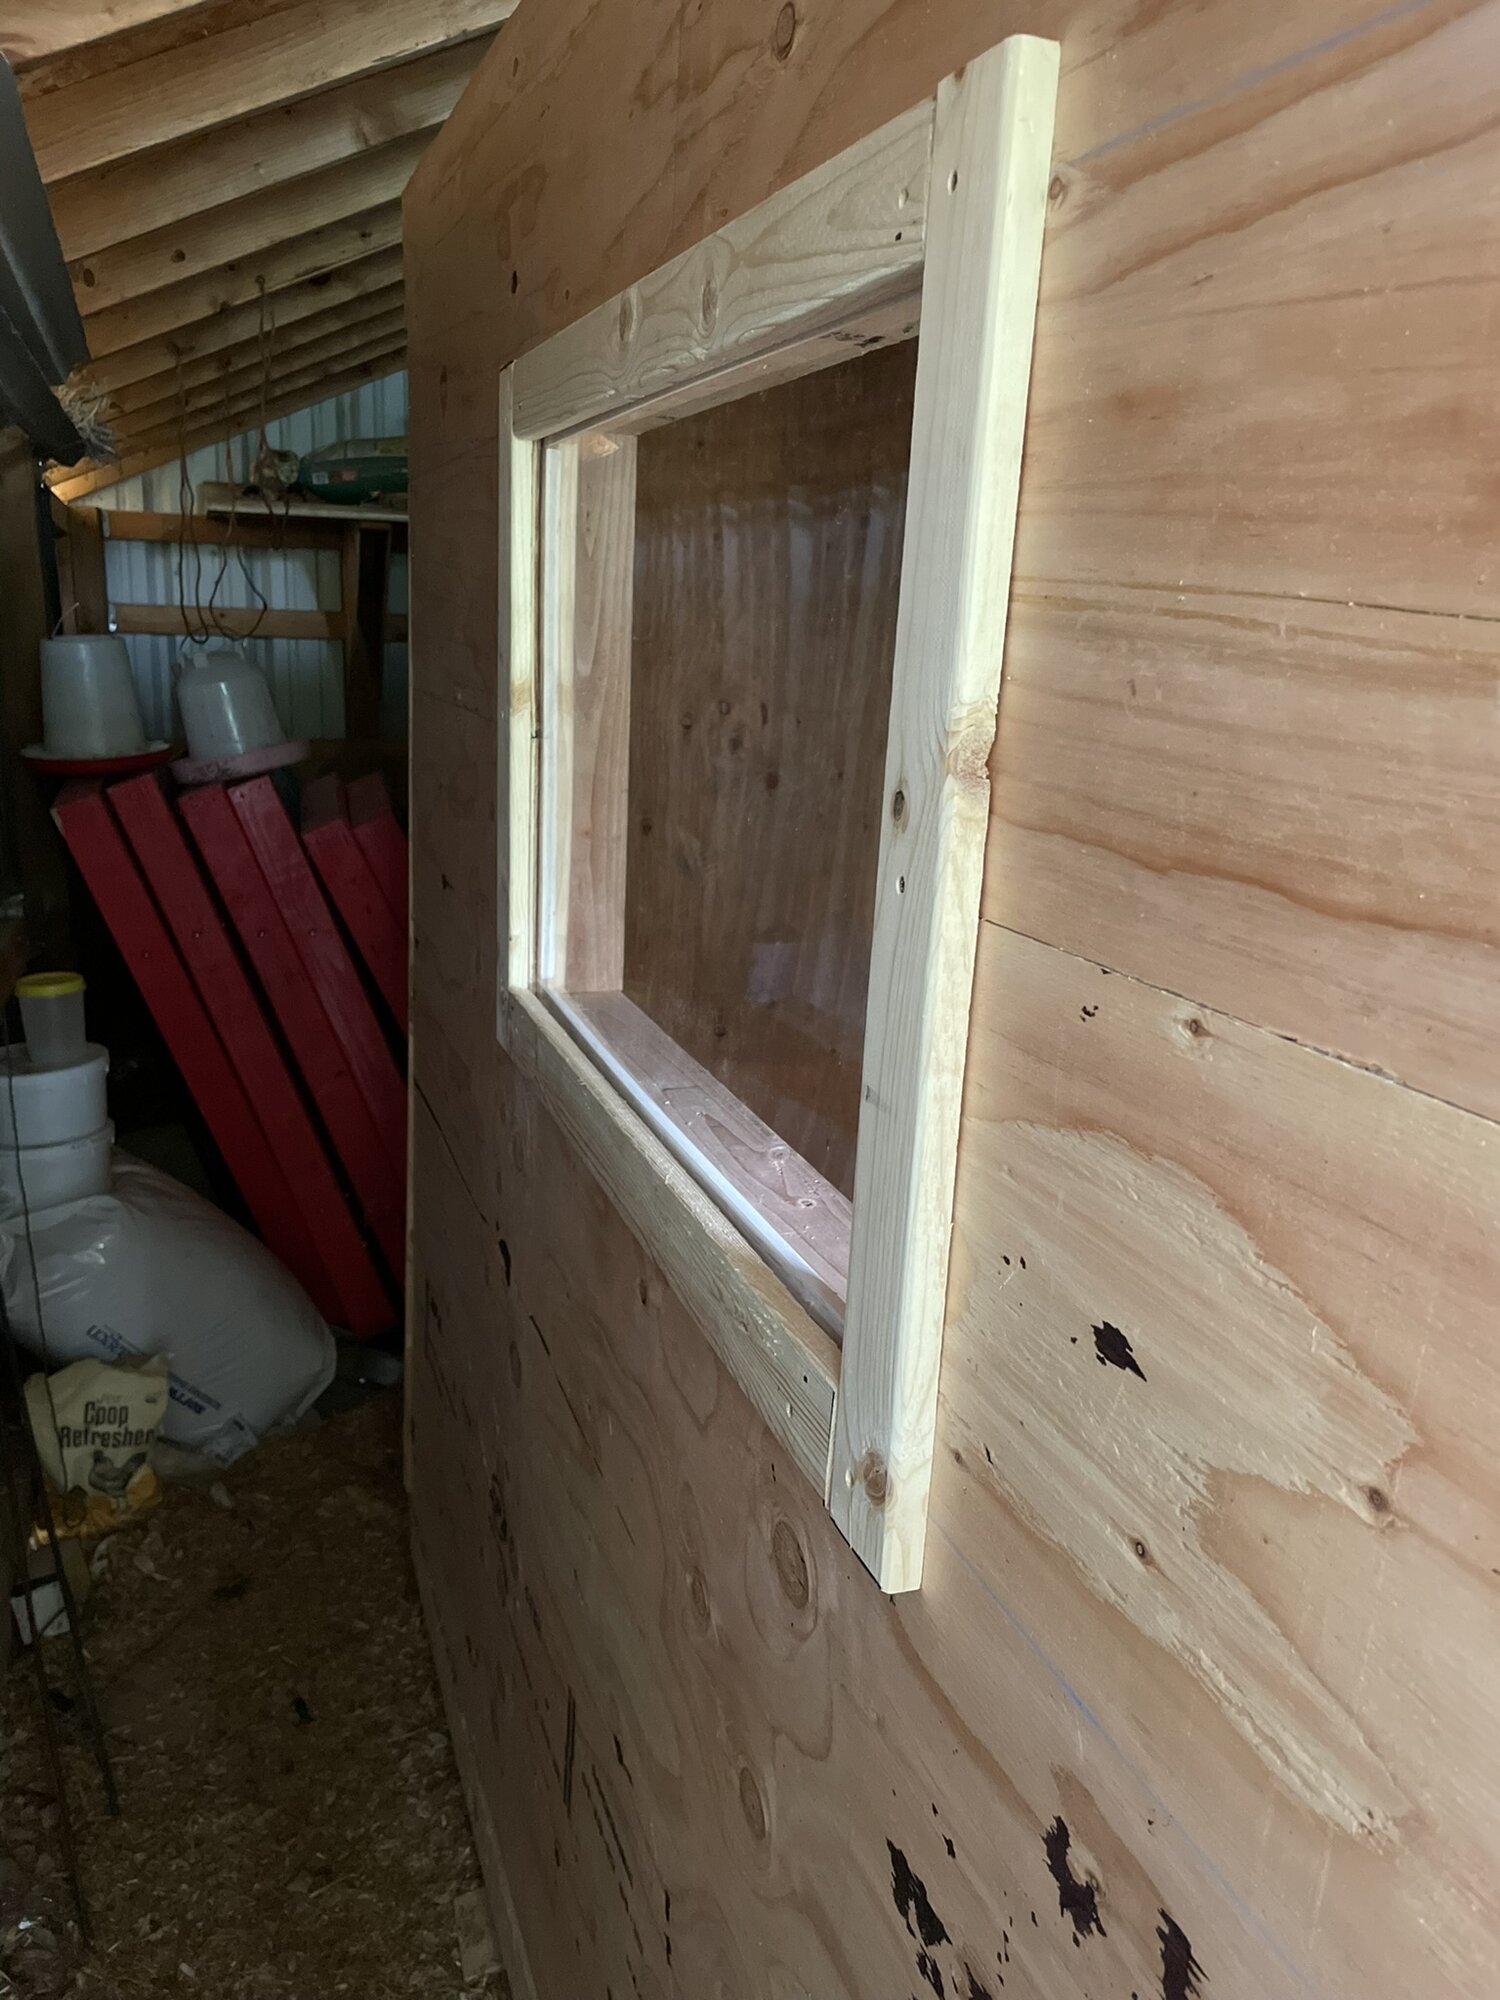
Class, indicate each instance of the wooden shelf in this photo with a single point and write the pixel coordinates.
(217, 500)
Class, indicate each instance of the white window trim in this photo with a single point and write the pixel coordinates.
(937, 218)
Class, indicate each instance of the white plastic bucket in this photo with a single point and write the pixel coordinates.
(55, 1174)
(89, 703)
(226, 706)
(51, 1104)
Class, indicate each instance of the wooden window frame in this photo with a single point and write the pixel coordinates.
(935, 221)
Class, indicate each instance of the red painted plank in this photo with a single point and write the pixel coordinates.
(347, 876)
(378, 832)
(289, 874)
(361, 1302)
(124, 901)
(259, 916)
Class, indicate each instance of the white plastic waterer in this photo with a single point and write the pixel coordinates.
(226, 706)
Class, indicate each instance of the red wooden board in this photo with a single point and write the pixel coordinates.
(288, 872)
(347, 876)
(258, 915)
(379, 834)
(115, 883)
(152, 828)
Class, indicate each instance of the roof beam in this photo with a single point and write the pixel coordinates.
(202, 401)
(73, 482)
(32, 29)
(136, 196)
(158, 313)
(244, 229)
(226, 419)
(211, 80)
(313, 300)
(349, 320)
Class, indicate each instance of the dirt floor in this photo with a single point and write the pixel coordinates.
(292, 1823)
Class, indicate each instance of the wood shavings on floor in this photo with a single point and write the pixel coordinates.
(293, 1826)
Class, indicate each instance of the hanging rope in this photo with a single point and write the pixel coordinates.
(193, 634)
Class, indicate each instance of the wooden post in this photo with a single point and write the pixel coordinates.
(82, 587)
(36, 853)
(365, 567)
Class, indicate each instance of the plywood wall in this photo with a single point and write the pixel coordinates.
(1199, 1695)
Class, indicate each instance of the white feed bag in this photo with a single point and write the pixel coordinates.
(152, 1268)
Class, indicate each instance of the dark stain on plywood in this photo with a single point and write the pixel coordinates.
(1114, 1350)
(1076, 1899)
(1181, 1974)
(909, 1893)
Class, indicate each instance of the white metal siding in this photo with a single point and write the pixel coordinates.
(306, 675)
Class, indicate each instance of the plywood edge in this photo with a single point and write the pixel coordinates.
(754, 285)
(510, 1939)
(991, 161)
(783, 1361)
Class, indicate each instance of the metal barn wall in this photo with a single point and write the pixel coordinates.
(306, 675)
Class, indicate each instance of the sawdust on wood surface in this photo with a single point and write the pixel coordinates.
(293, 1826)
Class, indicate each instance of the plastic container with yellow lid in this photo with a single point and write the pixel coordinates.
(52, 1016)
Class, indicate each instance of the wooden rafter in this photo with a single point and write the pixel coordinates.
(209, 80)
(243, 231)
(303, 257)
(349, 291)
(33, 29)
(202, 402)
(98, 211)
(226, 179)
(379, 311)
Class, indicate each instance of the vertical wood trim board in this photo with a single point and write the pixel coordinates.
(991, 158)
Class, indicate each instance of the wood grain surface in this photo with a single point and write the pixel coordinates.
(768, 564)
(1196, 1701)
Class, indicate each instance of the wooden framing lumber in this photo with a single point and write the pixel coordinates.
(234, 385)
(242, 407)
(949, 202)
(35, 29)
(81, 583)
(252, 528)
(315, 338)
(158, 314)
(301, 1007)
(167, 187)
(237, 231)
(97, 845)
(354, 1296)
(332, 298)
(267, 60)
(275, 623)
